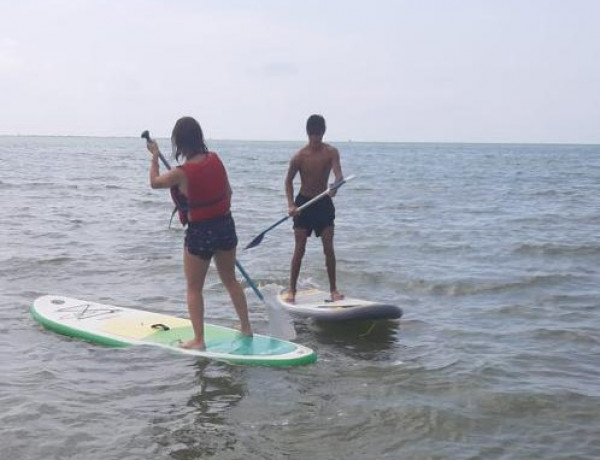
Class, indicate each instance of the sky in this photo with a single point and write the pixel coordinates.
(387, 71)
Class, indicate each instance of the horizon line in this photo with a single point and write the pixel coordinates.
(347, 141)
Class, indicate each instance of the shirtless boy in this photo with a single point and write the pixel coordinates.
(314, 162)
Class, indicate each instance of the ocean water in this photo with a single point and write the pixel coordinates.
(493, 251)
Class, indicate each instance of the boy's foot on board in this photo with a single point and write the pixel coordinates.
(290, 297)
(193, 345)
(335, 296)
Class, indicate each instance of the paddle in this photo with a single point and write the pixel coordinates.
(258, 239)
(146, 135)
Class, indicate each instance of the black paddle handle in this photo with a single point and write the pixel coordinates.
(146, 135)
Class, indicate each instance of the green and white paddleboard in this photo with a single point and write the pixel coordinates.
(122, 327)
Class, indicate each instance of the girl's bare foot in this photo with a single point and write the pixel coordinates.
(193, 345)
(335, 296)
(247, 331)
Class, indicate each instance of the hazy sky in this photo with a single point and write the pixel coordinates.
(418, 70)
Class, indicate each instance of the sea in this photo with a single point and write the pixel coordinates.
(492, 251)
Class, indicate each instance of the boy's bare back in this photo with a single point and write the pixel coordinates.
(314, 165)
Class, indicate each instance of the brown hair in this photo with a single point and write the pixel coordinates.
(188, 138)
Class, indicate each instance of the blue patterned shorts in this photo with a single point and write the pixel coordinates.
(204, 238)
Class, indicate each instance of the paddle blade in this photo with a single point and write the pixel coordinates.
(255, 242)
(281, 324)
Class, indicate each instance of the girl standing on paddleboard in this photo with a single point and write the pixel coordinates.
(202, 193)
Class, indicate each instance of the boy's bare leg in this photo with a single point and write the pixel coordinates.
(300, 236)
(330, 263)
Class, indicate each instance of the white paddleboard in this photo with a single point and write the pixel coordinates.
(122, 327)
(317, 304)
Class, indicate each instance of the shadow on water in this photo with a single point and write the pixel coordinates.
(200, 429)
(358, 339)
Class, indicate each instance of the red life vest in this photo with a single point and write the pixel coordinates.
(207, 191)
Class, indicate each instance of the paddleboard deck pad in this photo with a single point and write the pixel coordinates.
(123, 327)
(317, 304)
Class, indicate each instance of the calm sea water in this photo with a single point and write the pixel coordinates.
(492, 250)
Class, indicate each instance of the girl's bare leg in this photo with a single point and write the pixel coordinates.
(195, 270)
(225, 262)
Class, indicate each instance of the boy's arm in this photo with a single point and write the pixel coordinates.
(336, 165)
(289, 183)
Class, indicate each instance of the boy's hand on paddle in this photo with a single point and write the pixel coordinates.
(293, 210)
(333, 192)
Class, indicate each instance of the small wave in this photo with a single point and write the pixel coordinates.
(449, 246)
(471, 287)
(512, 311)
(557, 249)
(49, 186)
(16, 263)
(146, 201)
(515, 403)
(592, 219)
(580, 336)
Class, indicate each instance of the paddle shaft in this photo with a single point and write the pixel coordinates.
(333, 188)
(307, 204)
(257, 240)
(146, 135)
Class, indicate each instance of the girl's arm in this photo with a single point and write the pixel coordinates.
(171, 178)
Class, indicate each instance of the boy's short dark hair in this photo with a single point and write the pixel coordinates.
(315, 125)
